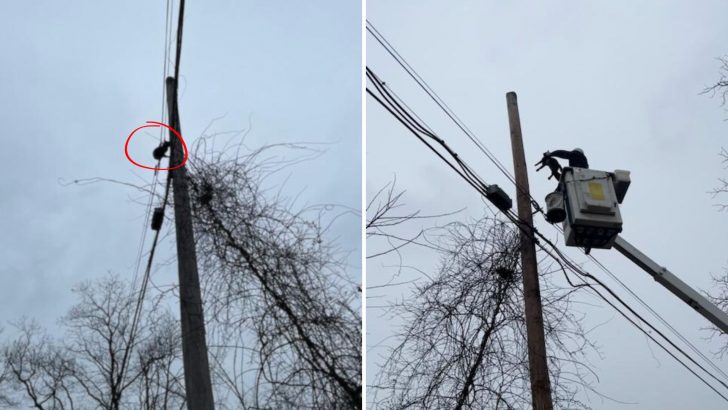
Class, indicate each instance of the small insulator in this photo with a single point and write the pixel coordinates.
(157, 218)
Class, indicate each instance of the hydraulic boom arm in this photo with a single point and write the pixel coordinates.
(674, 284)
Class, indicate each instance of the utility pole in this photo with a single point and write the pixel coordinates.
(537, 364)
(194, 346)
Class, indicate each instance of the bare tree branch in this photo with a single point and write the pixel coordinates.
(720, 87)
(43, 370)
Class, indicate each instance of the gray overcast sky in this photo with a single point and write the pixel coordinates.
(620, 80)
(78, 77)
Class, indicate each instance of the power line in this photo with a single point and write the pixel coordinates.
(435, 97)
(142, 292)
(145, 279)
(161, 138)
(410, 120)
(635, 324)
(651, 310)
(176, 70)
(655, 314)
(575, 268)
(433, 149)
(448, 111)
(180, 23)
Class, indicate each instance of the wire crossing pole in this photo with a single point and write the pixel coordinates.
(194, 346)
(537, 365)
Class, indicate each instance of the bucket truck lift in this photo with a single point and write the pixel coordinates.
(589, 200)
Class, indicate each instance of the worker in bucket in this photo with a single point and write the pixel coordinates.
(576, 157)
(555, 201)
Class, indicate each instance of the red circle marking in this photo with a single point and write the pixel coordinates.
(155, 124)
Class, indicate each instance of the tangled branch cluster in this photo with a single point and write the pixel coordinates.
(269, 274)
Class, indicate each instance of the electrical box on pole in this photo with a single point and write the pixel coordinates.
(498, 197)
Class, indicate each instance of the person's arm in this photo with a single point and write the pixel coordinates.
(560, 153)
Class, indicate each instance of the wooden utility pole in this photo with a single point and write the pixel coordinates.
(194, 346)
(537, 364)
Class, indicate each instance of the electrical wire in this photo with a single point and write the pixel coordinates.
(155, 180)
(459, 172)
(180, 24)
(644, 304)
(145, 280)
(635, 324)
(657, 315)
(435, 97)
(445, 108)
(165, 63)
(411, 122)
(169, 175)
(142, 293)
(580, 271)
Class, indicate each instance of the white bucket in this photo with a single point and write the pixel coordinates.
(555, 211)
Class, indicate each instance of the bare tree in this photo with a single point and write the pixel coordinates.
(108, 362)
(40, 368)
(161, 378)
(719, 295)
(720, 88)
(84, 369)
(722, 188)
(464, 344)
(98, 334)
(5, 381)
(272, 279)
